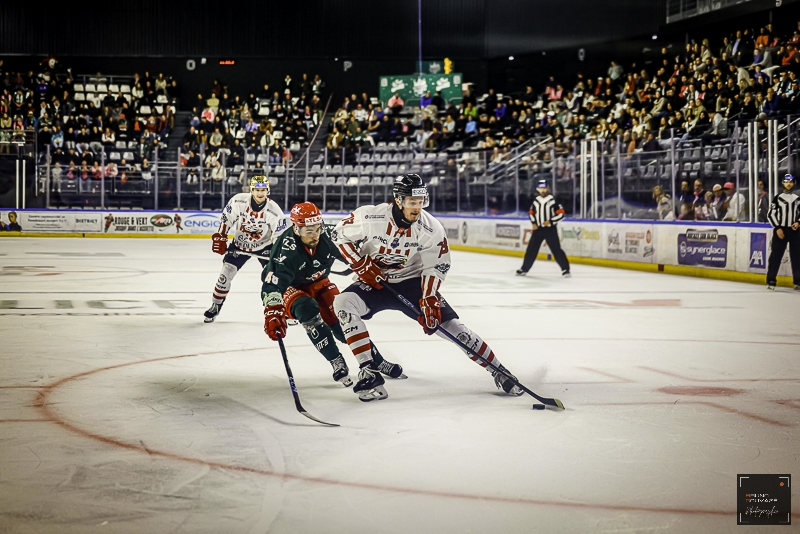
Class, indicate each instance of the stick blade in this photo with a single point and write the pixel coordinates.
(557, 404)
(320, 421)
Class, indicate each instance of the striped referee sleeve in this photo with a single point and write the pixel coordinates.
(558, 212)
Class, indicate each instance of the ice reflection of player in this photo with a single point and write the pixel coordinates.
(109, 222)
(13, 225)
(177, 220)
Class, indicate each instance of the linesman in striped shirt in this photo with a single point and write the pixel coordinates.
(545, 213)
(784, 216)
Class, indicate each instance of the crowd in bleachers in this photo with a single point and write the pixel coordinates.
(269, 129)
(90, 127)
(693, 93)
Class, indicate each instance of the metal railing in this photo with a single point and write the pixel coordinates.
(591, 178)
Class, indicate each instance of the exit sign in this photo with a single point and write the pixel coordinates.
(227, 62)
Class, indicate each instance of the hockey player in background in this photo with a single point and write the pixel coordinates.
(545, 213)
(400, 244)
(296, 285)
(255, 220)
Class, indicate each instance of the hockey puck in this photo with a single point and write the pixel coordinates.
(539, 406)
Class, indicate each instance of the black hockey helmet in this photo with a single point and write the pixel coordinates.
(410, 185)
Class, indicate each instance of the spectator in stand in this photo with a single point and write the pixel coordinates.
(663, 204)
(55, 176)
(317, 85)
(96, 172)
(215, 141)
(111, 170)
(395, 104)
(651, 144)
(699, 194)
(5, 141)
(108, 138)
(762, 204)
(161, 84)
(735, 203)
(718, 202)
(425, 100)
(437, 101)
(687, 212)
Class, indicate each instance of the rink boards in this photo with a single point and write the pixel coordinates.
(734, 251)
(699, 248)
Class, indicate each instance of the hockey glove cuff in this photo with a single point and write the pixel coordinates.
(368, 272)
(219, 243)
(275, 322)
(431, 317)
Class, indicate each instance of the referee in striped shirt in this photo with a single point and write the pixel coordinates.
(545, 213)
(784, 216)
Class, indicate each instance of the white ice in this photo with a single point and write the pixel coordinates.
(120, 411)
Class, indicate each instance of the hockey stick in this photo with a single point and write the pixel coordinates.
(544, 400)
(346, 272)
(294, 388)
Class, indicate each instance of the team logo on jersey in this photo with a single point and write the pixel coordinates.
(222, 279)
(316, 263)
(344, 317)
(288, 244)
(280, 258)
(443, 247)
(389, 261)
(443, 268)
(395, 242)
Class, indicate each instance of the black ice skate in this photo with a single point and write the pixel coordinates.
(505, 383)
(392, 370)
(566, 274)
(340, 371)
(370, 385)
(211, 313)
(520, 272)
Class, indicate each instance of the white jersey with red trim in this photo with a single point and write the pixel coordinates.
(252, 230)
(400, 253)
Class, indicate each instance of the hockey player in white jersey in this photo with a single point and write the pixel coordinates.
(401, 244)
(255, 221)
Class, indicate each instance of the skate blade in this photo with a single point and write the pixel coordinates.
(208, 320)
(346, 382)
(376, 393)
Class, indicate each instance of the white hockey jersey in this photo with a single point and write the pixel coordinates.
(252, 231)
(401, 253)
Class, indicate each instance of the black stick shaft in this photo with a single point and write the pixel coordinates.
(294, 387)
(544, 400)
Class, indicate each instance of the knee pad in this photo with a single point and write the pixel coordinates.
(227, 274)
(348, 307)
(306, 310)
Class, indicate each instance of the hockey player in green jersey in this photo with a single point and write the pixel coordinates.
(296, 286)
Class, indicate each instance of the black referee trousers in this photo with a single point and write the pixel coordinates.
(791, 238)
(550, 235)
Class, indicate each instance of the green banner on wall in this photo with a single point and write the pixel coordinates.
(413, 87)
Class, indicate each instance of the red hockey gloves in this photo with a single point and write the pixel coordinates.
(368, 272)
(275, 321)
(431, 316)
(219, 243)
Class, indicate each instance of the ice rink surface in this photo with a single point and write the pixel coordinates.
(120, 411)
